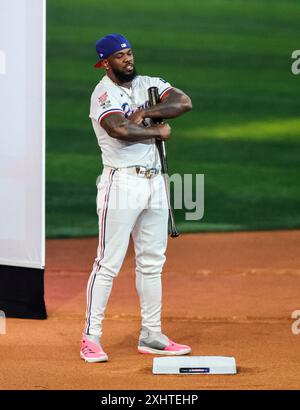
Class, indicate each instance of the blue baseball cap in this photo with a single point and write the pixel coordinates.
(109, 45)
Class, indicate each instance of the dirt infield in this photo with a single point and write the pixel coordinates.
(224, 294)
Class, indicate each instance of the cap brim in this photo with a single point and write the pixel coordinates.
(99, 64)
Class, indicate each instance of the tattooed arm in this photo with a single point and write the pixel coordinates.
(174, 103)
(117, 126)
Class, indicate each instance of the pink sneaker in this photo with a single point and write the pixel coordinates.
(157, 343)
(92, 352)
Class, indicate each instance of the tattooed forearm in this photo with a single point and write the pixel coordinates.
(175, 104)
(117, 126)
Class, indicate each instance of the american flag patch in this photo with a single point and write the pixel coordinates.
(103, 97)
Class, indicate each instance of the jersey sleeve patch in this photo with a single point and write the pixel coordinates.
(103, 97)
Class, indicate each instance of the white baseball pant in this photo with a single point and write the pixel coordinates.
(129, 204)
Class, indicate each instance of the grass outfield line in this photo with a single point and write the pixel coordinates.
(234, 60)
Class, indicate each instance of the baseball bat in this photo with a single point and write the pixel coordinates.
(161, 147)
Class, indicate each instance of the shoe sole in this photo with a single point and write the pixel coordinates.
(149, 350)
(93, 359)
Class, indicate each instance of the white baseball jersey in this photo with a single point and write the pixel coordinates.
(109, 98)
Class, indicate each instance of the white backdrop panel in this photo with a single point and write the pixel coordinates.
(22, 133)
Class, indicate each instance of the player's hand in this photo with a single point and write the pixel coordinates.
(164, 131)
(137, 117)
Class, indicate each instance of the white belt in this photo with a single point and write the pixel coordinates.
(138, 170)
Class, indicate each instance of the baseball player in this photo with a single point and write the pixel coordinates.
(131, 196)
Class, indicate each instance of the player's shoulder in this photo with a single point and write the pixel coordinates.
(146, 79)
(104, 86)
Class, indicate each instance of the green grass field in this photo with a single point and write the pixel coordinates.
(232, 57)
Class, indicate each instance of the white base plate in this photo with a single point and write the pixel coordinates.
(194, 365)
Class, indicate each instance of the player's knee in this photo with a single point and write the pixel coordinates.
(152, 266)
(106, 272)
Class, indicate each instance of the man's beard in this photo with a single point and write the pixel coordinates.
(122, 77)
